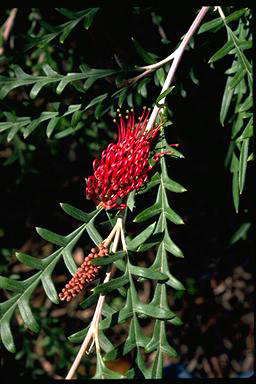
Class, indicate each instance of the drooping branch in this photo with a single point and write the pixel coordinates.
(93, 331)
(176, 59)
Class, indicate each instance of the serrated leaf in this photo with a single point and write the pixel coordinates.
(142, 237)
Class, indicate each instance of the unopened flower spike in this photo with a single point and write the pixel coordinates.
(123, 166)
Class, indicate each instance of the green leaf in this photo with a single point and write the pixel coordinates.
(6, 335)
(108, 259)
(243, 164)
(248, 131)
(163, 95)
(102, 372)
(241, 233)
(235, 80)
(157, 367)
(217, 23)
(89, 301)
(247, 104)
(77, 337)
(11, 284)
(93, 233)
(91, 13)
(240, 54)
(148, 57)
(97, 100)
(68, 28)
(111, 285)
(226, 100)
(155, 180)
(69, 261)
(223, 51)
(27, 315)
(52, 237)
(51, 125)
(29, 260)
(131, 200)
(235, 190)
(149, 212)
(153, 240)
(146, 273)
(142, 237)
(34, 124)
(77, 213)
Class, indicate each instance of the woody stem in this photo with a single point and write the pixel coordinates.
(178, 54)
(94, 327)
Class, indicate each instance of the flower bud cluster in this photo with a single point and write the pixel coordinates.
(84, 275)
(124, 166)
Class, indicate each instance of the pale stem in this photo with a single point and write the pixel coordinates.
(94, 327)
(221, 13)
(8, 26)
(178, 54)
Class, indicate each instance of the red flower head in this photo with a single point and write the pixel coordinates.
(124, 166)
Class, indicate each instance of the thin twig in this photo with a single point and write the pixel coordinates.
(178, 54)
(8, 26)
(94, 327)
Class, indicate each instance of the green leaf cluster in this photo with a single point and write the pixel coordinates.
(23, 289)
(237, 101)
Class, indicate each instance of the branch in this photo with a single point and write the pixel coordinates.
(178, 54)
(94, 327)
(8, 26)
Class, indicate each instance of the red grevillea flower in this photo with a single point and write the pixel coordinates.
(124, 166)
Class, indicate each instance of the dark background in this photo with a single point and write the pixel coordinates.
(217, 312)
